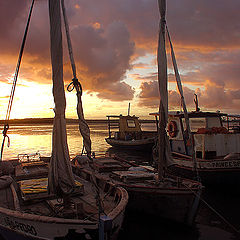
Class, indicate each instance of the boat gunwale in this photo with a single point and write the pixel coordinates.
(119, 207)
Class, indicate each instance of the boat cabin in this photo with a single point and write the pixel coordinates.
(128, 127)
(214, 136)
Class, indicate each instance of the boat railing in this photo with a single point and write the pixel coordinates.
(112, 124)
(27, 158)
(232, 123)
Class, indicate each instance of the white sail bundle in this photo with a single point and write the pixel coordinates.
(60, 179)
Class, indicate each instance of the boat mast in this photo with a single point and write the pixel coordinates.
(163, 143)
(128, 109)
(60, 178)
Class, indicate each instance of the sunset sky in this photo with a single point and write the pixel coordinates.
(115, 44)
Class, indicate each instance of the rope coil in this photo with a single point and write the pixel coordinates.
(6, 127)
(75, 84)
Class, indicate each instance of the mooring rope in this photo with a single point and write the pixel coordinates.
(214, 210)
(9, 108)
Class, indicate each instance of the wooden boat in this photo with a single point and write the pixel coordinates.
(216, 147)
(129, 134)
(27, 211)
(173, 198)
(44, 200)
(155, 193)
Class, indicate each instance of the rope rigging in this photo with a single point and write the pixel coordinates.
(83, 127)
(180, 89)
(9, 108)
(75, 84)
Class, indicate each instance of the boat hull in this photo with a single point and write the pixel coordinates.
(216, 173)
(15, 224)
(171, 204)
(140, 145)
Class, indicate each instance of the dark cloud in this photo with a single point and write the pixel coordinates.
(219, 67)
(117, 92)
(149, 95)
(103, 55)
(202, 23)
(205, 23)
(10, 19)
(212, 97)
(109, 34)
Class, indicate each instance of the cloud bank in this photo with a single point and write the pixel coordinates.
(110, 35)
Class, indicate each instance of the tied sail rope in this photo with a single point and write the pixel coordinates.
(83, 126)
(6, 124)
(180, 89)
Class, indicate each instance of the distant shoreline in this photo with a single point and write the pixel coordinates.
(69, 121)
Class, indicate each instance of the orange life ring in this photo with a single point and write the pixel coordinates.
(172, 129)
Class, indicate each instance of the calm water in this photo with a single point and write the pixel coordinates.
(209, 226)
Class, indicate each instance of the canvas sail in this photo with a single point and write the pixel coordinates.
(165, 158)
(60, 179)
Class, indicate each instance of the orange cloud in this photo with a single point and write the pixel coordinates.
(206, 44)
(213, 97)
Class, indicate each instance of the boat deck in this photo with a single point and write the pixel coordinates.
(31, 189)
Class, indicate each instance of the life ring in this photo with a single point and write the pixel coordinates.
(172, 129)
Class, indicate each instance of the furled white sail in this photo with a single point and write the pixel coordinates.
(60, 180)
(165, 158)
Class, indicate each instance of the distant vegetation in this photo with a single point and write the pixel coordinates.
(28, 121)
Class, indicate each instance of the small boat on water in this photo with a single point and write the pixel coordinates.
(129, 135)
(43, 199)
(216, 140)
(173, 198)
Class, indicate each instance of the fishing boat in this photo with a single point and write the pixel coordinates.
(216, 139)
(43, 199)
(173, 198)
(129, 135)
(153, 192)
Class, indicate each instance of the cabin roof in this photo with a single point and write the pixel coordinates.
(121, 116)
(192, 114)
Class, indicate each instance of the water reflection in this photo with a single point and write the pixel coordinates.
(37, 138)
